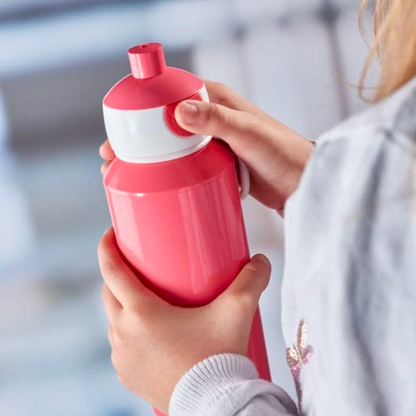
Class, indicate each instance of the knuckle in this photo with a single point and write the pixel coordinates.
(120, 339)
(102, 247)
(251, 269)
(219, 117)
(115, 360)
(117, 336)
(223, 92)
(109, 268)
(141, 313)
(247, 302)
(121, 379)
(241, 303)
(253, 122)
(105, 292)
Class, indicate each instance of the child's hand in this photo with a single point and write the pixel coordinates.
(274, 154)
(153, 343)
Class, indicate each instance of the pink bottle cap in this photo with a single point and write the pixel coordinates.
(153, 135)
(147, 60)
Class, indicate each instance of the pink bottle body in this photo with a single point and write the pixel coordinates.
(173, 195)
(180, 224)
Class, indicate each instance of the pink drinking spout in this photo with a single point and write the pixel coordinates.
(147, 60)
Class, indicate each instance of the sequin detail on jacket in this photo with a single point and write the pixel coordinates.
(298, 356)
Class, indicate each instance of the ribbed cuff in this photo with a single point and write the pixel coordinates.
(215, 383)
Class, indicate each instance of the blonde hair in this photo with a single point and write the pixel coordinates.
(394, 44)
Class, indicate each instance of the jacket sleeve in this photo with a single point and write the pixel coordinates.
(228, 385)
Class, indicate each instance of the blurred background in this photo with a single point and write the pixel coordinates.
(58, 58)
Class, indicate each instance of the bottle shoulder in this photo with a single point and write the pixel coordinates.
(180, 174)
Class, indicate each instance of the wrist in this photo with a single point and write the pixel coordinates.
(297, 161)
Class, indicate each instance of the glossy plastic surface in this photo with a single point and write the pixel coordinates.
(180, 224)
(143, 136)
(147, 60)
(140, 94)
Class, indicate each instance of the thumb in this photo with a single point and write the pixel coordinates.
(214, 120)
(251, 282)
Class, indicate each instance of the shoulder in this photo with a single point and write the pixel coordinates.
(396, 115)
(370, 156)
(352, 220)
(354, 213)
(350, 232)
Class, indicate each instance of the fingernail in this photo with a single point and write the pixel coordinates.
(264, 259)
(189, 113)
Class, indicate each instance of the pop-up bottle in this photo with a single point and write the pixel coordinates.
(174, 196)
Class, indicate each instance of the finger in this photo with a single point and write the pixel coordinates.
(234, 127)
(224, 95)
(105, 166)
(251, 282)
(110, 335)
(112, 306)
(120, 279)
(106, 152)
(250, 137)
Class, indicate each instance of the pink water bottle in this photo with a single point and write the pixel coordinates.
(174, 197)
